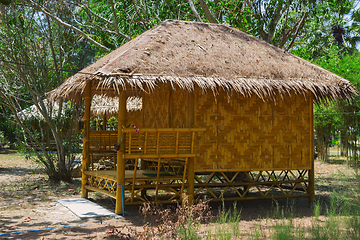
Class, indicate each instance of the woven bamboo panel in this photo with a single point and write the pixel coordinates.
(134, 118)
(249, 134)
(156, 108)
(179, 105)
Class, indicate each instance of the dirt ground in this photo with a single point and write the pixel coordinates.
(28, 207)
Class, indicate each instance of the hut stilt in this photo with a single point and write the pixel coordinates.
(86, 140)
(120, 172)
(311, 174)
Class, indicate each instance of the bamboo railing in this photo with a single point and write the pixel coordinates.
(157, 147)
(160, 144)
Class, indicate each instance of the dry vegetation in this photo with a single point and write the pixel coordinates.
(28, 203)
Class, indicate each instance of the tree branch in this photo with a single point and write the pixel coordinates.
(114, 15)
(61, 22)
(297, 31)
(193, 9)
(128, 38)
(137, 13)
(207, 12)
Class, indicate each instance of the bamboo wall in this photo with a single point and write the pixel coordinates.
(156, 108)
(249, 134)
(242, 134)
(134, 118)
(166, 108)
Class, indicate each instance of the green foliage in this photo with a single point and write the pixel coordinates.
(328, 26)
(317, 209)
(227, 224)
(285, 230)
(189, 230)
(353, 230)
(132, 18)
(348, 67)
(330, 126)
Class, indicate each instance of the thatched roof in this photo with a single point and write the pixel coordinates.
(210, 56)
(109, 106)
(33, 113)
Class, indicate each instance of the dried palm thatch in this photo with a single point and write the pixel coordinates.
(109, 106)
(100, 106)
(33, 113)
(210, 56)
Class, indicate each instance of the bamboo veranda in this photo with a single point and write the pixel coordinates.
(223, 114)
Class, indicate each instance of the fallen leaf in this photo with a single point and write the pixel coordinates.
(28, 219)
(112, 231)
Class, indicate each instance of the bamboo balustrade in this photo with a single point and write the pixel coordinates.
(162, 150)
(161, 146)
(102, 147)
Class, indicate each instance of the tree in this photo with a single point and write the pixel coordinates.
(35, 53)
(327, 26)
(347, 66)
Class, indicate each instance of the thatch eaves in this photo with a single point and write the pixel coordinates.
(109, 106)
(100, 106)
(210, 56)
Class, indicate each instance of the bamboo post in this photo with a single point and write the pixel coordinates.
(190, 179)
(144, 164)
(120, 169)
(86, 140)
(311, 186)
(191, 161)
(184, 175)
(104, 122)
(158, 169)
(157, 180)
(133, 182)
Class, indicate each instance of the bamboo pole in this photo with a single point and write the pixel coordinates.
(104, 122)
(177, 142)
(158, 169)
(164, 155)
(184, 176)
(157, 179)
(311, 187)
(86, 140)
(133, 181)
(191, 160)
(120, 170)
(145, 142)
(153, 130)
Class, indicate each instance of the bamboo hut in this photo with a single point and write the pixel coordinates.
(223, 114)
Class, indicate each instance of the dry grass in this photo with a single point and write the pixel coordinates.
(26, 196)
(23, 184)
